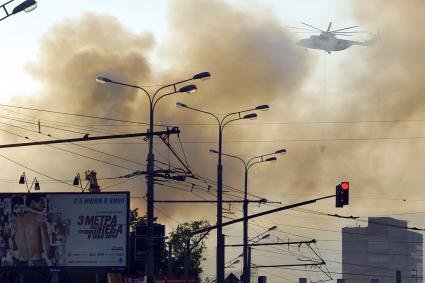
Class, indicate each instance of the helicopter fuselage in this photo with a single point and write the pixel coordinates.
(327, 42)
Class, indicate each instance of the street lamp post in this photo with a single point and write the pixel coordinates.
(228, 118)
(26, 6)
(247, 165)
(153, 100)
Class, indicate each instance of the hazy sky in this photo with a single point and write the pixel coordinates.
(353, 115)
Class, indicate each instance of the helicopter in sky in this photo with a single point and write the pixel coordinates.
(327, 39)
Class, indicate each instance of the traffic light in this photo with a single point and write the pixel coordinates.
(341, 194)
(345, 190)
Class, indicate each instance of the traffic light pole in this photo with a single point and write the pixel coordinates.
(210, 228)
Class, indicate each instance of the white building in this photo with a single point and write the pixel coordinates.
(381, 249)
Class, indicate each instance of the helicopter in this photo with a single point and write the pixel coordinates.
(327, 39)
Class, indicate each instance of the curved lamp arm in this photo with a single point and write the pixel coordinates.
(232, 156)
(261, 161)
(200, 76)
(188, 89)
(279, 151)
(103, 80)
(262, 107)
(181, 105)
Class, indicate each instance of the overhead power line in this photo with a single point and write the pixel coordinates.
(79, 115)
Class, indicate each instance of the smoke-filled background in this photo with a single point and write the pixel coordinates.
(353, 115)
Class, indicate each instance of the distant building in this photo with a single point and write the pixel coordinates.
(381, 249)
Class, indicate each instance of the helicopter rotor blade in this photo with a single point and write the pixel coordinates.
(312, 27)
(344, 28)
(329, 27)
(303, 29)
(340, 32)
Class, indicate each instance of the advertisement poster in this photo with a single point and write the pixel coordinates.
(64, 230)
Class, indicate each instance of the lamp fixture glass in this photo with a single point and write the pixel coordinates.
(271, 159)
(103, 80)
(283, 150)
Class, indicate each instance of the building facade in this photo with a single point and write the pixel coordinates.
(378, 251)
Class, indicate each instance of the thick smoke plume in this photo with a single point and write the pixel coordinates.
(74, 52)
(386, 85)
(252, 58)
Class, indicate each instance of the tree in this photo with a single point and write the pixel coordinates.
(177, 242)
(136, 219)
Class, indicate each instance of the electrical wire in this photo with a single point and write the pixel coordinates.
(35, 171)
(79, 115)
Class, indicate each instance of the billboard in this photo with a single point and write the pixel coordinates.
(64, 231)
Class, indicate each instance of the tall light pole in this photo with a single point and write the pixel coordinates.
(26, 6)
(247, 165)
(228, 118)
(153, 100)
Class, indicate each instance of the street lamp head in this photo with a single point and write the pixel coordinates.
(271, 159)
(283, 150)
(36, 185)
(202, 76)
(22, 179)
(265, 236)
(26, 6)
(213, 151)
(76, 181)
(103, 80)
(263, 107)
(251, 116)
(272, 228)
(181, 105)
(188, 89)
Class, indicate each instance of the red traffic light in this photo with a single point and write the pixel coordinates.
(345, 185)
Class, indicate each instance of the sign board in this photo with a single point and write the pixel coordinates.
(64, 231)
(142, 236)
